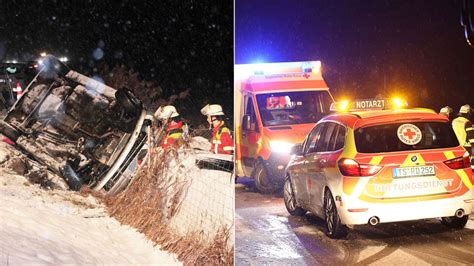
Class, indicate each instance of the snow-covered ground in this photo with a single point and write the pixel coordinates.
(62, 227)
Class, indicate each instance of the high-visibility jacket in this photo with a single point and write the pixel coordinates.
(470, 142)
(221, 141)
(460, 126)
(174, 131)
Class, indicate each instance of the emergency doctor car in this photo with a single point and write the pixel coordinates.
(276, 105)
(377, 161)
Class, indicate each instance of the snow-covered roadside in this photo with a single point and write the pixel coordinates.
(62, 227)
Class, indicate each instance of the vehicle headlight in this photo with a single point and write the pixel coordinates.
(280, 146)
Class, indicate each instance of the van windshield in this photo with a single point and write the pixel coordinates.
(288, 108)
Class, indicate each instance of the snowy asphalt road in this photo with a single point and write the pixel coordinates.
(267, 234)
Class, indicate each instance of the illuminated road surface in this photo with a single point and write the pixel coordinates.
(267, 234)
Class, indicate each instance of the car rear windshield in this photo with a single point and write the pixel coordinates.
(385, 138)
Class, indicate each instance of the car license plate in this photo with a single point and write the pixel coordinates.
(413, 171)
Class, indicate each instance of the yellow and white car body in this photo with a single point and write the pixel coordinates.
(382, 166)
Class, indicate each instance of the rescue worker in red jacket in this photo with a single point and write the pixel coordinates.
(221, 141)
(174, 125)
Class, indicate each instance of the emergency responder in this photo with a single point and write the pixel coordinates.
(175, 127)
(463, 128)
(446, 111)
(221, 141)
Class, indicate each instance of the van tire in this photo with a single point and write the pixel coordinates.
(262, 180)
(128, 100)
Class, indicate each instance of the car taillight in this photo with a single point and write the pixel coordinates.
(349, 167)
(459, 162)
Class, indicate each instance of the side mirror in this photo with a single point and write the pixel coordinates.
(246, 122)
(296, 150)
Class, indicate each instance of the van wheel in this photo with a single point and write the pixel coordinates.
(455, 222)
(334, 227)
(128, 100)
(262, 181)
(290, 199)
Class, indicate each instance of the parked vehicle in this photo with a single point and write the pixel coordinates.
(14, 77)
(380, 163)
(276, 105)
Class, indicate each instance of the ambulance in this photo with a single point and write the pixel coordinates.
(276, 105)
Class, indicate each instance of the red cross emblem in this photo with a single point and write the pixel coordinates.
(409, 134)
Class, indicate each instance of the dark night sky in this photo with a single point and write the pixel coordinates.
(180, 44)
(416, 48)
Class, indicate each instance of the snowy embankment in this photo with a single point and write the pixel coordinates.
(39, 226)
(183, 199)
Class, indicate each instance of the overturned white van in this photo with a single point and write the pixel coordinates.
(81, 129)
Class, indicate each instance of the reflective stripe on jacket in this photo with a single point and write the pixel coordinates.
(459, 125)
(173, 133)
(470, 135)
(221, 141)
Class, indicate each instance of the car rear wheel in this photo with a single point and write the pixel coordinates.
(334, 227)
(262, 180)
(455, 222)
(290, 200)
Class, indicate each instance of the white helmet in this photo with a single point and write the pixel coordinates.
(446, 110)
(212, 109)
(165, 112)
(465, 109)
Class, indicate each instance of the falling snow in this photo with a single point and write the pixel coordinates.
(172, 42)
